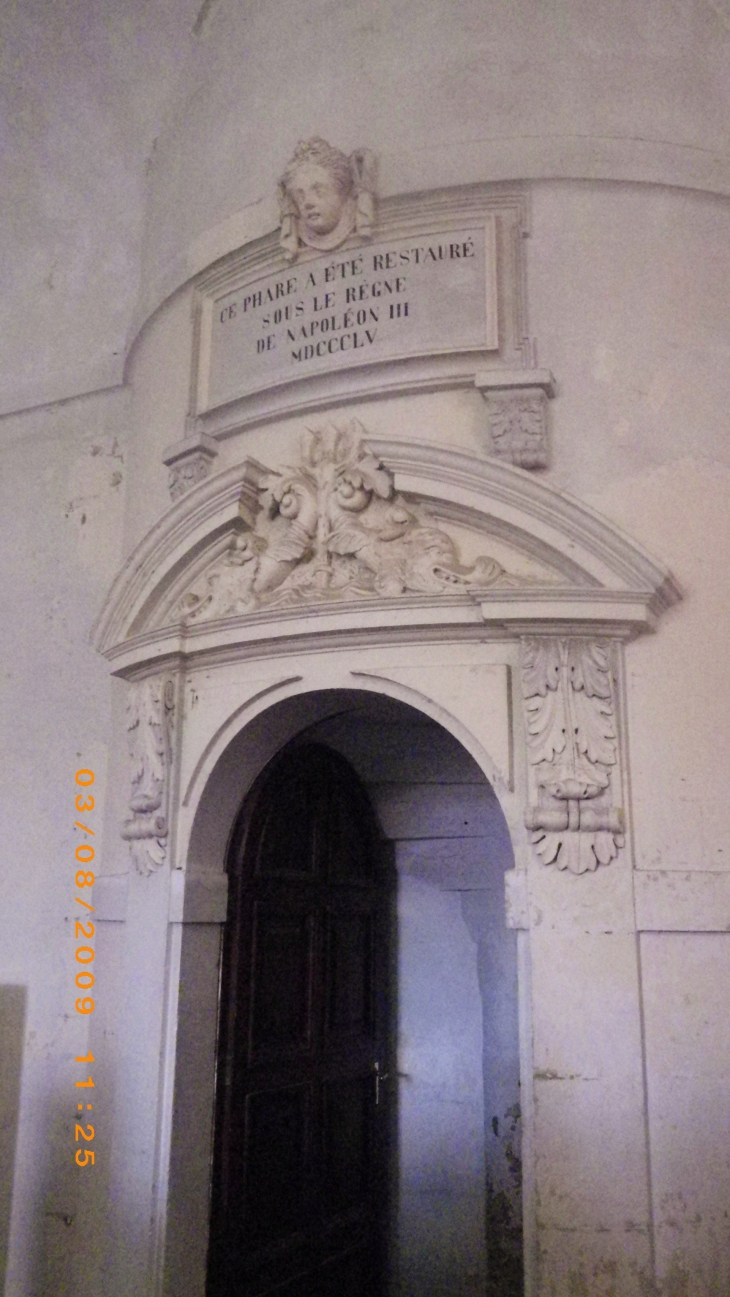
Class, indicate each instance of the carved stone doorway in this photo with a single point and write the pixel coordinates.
(453, 1105)
(520, 645)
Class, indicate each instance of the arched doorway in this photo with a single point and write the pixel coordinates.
(454, 1219)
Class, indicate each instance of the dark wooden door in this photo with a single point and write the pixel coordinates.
(300, 1166)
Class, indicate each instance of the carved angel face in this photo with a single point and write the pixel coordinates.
(319, 197)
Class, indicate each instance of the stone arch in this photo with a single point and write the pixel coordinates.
(459, 1129)
(254, 722)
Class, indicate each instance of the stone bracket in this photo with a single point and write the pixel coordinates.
(517, 414)
(189, 462)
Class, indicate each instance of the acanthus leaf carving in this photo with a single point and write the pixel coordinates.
(150, 718)
(189, 462)
(518, 427)
(572, 744)
(187, 473)
(334, 527)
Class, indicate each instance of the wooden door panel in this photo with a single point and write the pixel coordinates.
(300, 1154)
(277, 1162)
(347, 1139)
(285, 834)
(282, 981)
(349, 951)
(347, 856)
(350, 1275)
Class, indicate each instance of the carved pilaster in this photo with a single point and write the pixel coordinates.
(568, 692)
(150, 719)
(517, 415)
(189, 462)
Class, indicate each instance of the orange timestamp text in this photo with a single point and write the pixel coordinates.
(84, 930)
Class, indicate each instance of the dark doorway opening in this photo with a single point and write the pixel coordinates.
(302, 1151)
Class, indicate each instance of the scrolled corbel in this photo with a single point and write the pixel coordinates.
(570, 718)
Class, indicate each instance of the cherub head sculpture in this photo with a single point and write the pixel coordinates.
(325, 196)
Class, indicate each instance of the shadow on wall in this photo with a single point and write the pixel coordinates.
(55, 1253)
(457, 1191)
(12, 1024)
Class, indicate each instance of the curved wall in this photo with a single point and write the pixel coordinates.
(446, 93)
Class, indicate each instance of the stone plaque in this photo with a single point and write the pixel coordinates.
(410, 296)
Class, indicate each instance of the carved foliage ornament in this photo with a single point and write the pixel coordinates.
(571, 733)
(518, 427)
(186, 473)
(150, 716)
(332, 527)
(325, 196)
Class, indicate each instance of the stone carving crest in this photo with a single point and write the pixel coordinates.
(571, 735)
(187, 473)
(150, 714)
(325, 196)
(518, 427)
(333, 526)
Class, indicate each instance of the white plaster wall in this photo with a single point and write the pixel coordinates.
(627, 300)
(82, 96)
(61, 490)
(678, 686)
(687, 988)
(92, 94)
(628, 297)
(628, 304)
(441, 1248)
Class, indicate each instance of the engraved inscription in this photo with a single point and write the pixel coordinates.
(408, 297)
